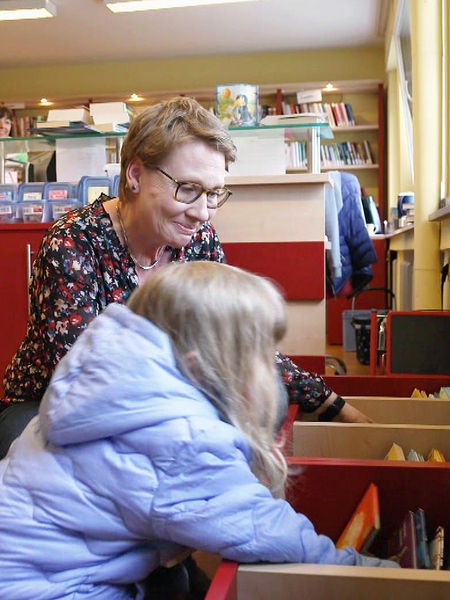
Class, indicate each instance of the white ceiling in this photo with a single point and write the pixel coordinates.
(85, 31)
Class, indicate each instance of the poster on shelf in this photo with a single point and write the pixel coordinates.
(237, 104)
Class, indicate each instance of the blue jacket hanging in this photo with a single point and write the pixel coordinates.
(356, 247)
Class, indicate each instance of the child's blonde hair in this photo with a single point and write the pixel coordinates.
(224, 324)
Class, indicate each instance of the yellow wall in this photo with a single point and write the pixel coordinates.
(183, 74)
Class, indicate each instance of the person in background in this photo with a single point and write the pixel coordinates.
(173, 165)
(153, 438)
(6, 121)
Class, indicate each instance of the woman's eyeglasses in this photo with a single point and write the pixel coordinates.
(188, 192)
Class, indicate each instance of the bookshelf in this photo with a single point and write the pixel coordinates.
(366, 99)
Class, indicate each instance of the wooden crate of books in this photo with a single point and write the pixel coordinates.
(328, 491)
(366, 440)
(383, 409)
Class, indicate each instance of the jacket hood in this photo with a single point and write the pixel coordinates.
(120, 375)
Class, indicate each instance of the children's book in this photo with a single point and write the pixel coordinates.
(444, 392)
(415, 456)
(402, 545)
(436, 549)
(423, 555)
(237, 104)
(364, 523)
(435, 455)
(416, 393)
(395, 453)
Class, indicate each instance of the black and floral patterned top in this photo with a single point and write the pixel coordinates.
(80, 268)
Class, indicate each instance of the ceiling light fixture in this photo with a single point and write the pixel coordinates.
(14, 10)
(117, 6)
(135, 98)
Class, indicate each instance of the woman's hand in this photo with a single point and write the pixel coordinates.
(350, 414)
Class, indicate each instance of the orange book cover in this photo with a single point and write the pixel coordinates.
(364, 523)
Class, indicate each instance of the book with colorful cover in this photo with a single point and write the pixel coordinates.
(237, 104)
(364, 523)
(395, 453)
(423, 555)
(415, 456)
(435, 455)
(402, 545)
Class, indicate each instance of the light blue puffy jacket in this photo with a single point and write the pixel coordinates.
(127, 462)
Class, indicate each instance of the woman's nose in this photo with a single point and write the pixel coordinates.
(199, 209)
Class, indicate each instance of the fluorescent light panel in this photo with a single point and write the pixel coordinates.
(14, 10)
(117, 6)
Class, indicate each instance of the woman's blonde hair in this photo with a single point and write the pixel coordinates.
(224, 324)
(155, 132)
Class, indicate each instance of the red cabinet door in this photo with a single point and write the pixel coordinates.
(18, 246)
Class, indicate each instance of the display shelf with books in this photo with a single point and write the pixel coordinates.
(371, 441)
(313, 482)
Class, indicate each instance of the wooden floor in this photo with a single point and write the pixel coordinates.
(354, 367)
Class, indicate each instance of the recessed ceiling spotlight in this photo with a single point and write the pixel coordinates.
(135, 98)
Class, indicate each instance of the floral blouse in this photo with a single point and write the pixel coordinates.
(80, 268)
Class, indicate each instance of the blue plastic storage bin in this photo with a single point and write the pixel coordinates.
(31, 205)
(60, 190)
(27, 192)
(62, 197)
(58, 208)
(8, 192)
(8, 205)
(90, 188)
(115, 185)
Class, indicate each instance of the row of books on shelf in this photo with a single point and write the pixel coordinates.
(21, 125)
(409, 543)
(396, 452)
(338, 114)
(347, 153)
(331, 155)
(44, 202)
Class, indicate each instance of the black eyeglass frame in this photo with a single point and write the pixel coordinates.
(217, 192)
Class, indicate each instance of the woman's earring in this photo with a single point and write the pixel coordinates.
(134, 187)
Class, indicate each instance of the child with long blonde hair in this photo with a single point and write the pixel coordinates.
(157, 433)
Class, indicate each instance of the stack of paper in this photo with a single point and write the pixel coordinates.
(62, 117)
(110, 116)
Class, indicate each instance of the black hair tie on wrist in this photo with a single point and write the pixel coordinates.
(333, 410)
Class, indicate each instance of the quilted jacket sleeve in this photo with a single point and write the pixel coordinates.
(210, 500)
